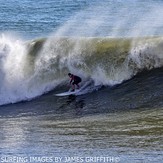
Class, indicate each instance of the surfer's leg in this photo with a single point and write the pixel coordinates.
(77, 83)
(78, 86)
(73, 86)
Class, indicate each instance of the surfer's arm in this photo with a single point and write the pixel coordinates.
(72, 79)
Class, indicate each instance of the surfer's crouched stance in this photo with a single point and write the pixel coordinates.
(75, 80)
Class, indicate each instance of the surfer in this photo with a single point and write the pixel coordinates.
(75, 80)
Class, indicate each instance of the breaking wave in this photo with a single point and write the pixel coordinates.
(30, 69)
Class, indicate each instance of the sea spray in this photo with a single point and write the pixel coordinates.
(12, 61)
(19, 79)
(114, 19)
(147, 53)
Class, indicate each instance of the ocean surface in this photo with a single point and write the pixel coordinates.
(116, 47)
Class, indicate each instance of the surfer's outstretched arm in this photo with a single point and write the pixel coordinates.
(71, 80)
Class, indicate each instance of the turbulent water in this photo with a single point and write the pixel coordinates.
(117, 50)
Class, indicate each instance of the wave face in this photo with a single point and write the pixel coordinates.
(30, 69)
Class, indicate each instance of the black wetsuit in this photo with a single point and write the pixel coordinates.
(76, 79)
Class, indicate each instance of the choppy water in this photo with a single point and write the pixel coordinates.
(119, 114)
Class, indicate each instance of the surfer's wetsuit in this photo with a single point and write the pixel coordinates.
(75, 80)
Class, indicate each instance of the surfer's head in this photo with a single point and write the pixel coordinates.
(69, 74)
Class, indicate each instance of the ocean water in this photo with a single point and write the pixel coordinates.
(116, 47)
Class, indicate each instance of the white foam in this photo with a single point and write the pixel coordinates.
(16, 84)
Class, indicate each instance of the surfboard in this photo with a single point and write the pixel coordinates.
(83, 90)
(68, 93)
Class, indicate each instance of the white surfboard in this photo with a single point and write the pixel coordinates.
(83, 90)
(68, 93)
